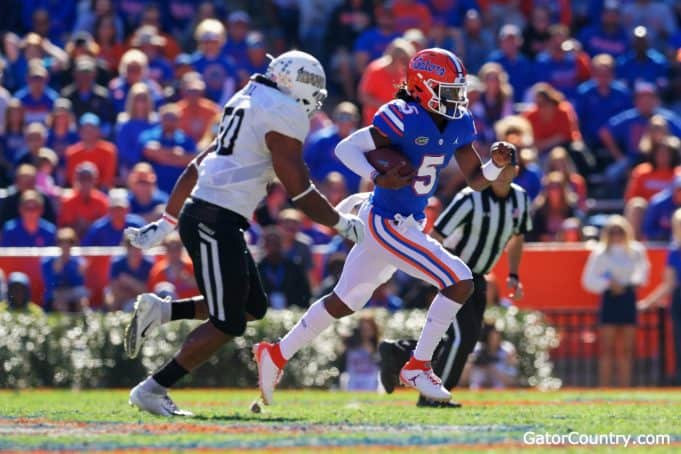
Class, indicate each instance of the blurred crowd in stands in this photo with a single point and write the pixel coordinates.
(103, 103)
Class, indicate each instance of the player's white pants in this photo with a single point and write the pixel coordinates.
(389, 245)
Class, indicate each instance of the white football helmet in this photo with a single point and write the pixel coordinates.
(301, 76)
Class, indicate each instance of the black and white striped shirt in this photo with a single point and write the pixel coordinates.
(477, 225)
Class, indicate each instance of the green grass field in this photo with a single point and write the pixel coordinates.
(307, 421)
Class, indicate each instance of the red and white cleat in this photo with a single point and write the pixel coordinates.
(270, 368)
(419, 375)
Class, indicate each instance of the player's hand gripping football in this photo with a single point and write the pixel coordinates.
(504, 154)
(149, 235)
(351, 227)
(393, 179)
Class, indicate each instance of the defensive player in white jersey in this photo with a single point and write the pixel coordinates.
(260, 136)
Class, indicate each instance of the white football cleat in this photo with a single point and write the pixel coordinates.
(147, 316)
(269, 373)
(157, 404)
(425, 381)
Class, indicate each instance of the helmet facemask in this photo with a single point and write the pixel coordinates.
(448, 99)
(315, 103)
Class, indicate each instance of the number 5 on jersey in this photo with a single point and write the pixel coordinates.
(229, 130)
(427, 173)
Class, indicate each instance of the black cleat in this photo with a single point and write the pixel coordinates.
(424, 402)
(390, 367)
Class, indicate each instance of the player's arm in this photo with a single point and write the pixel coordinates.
(352, 150)
(185, 184)
(153, 233)
(480, 175)
(515, 252)
(287, 160)
(664, 288)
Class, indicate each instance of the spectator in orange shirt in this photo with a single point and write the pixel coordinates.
(559, 161)
(383, 77)
(410, 14)
(92, 148)
(649, 178)
(197, 113)
(553, 120)
(82, 206)
(175, 267)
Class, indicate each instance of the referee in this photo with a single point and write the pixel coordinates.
(476, 226)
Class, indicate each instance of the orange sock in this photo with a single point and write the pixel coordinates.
(414, 363)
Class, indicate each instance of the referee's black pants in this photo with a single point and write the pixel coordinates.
(459, 341)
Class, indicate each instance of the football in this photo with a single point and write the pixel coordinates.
(384, 159)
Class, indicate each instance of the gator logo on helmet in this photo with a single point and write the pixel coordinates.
(425, 65)
(309, 78)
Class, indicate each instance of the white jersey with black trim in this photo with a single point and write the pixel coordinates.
(235, 176)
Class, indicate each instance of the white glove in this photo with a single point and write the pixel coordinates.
(149, 235)
(348, 204)
(351, 227)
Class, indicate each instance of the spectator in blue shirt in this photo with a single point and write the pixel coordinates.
(371, 44)
(178, 17)
(36, 97)
(216, 68)
(622, 133)
(60, 16)
(62, 127)
(600, 99)
(138, 117)
(132, 69)
(128, 278)
(643, 63)
(149, 41)
(529, 174)
(319, 153)
(64, 276)
(238, 27)
(558, 65)
(35, 138)
(451, 12)
(658, 217)
(516, 65)
(475, 42)
(608, 37)
(167, 148)
(131, 12)
(144, 196)
(29, 229)
(256, 60)
(108, 231)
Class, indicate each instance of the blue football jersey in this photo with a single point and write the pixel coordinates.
(412, 131)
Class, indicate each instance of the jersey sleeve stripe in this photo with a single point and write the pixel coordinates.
(391, 124)
(396, 111)
(380, 130)
(396, 121)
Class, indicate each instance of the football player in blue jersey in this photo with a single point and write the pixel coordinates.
(428, 123)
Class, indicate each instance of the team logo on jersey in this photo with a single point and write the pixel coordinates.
(309, 78)
(422, 140)
(428, 66)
